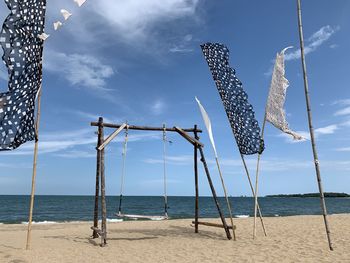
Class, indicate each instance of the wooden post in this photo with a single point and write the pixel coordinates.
(31, 206)
(312, 136)
(228, 234)
(195, 155)
(103, 196)
(98, 170)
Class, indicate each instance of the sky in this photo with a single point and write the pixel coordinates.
(140, 62)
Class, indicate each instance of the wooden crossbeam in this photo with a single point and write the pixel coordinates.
(144, 128)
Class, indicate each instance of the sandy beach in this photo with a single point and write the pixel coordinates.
(290, 239)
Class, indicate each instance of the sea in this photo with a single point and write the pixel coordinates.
(55, 209)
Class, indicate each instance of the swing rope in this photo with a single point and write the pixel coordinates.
(120, 214)
(123, 170)
(164, 172)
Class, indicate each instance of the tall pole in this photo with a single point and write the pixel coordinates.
(253, 193)
(257, 180)
(98, 172)
(195, 156)
(312, 136)
(226, 197)
(31, 206)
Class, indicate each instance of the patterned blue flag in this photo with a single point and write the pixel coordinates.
(22, 43)
(239, 112)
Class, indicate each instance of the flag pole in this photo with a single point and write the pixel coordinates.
(253, 192)
(37, 122)
(257, 179)
(227, 199)
(312, 136)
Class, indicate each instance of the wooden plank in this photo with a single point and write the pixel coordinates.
(111, 137)
(213, 224)
(144, 128)
(188, 137)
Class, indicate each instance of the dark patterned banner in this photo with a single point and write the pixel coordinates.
(239, 112)
(21, 41)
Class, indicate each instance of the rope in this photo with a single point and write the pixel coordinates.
(123, 169)
(164, 172)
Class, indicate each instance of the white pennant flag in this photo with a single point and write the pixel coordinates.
(66, 14)
(207, 125)
(80, 2)
(275, 113)
(57, 25)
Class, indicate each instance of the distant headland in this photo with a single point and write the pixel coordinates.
(311, 195)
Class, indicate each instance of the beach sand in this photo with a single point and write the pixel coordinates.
(290, 239)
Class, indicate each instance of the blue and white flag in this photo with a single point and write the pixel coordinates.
(239, 112)
(21, 39)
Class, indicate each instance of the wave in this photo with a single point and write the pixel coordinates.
(114, 220)
(242, 216)
(40, 222)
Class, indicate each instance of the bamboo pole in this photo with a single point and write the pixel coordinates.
(257, 180)
(252, 189)
(312, 136)
(35, 159)
(226, 197)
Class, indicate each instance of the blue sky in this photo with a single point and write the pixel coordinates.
(140, 61)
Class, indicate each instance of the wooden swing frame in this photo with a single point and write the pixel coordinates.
(100, 174)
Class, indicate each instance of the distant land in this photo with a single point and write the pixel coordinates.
(311, 195)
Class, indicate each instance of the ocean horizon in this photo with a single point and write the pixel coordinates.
(70, 208)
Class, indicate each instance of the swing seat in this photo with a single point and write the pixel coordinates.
(156, 218)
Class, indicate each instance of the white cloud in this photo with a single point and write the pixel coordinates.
(344, 149)
(182, 47)
(78, 69)
(333, 46)
(279, 165)
(92, 117)
(133, 18)
(326, 130)
(179, 49)
(158, 107)
(330, 129)
(172, 160)
(345, 111)
(77, 154)
(313, 42)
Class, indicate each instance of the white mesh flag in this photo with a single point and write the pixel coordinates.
(275, 113)
(207, 125)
